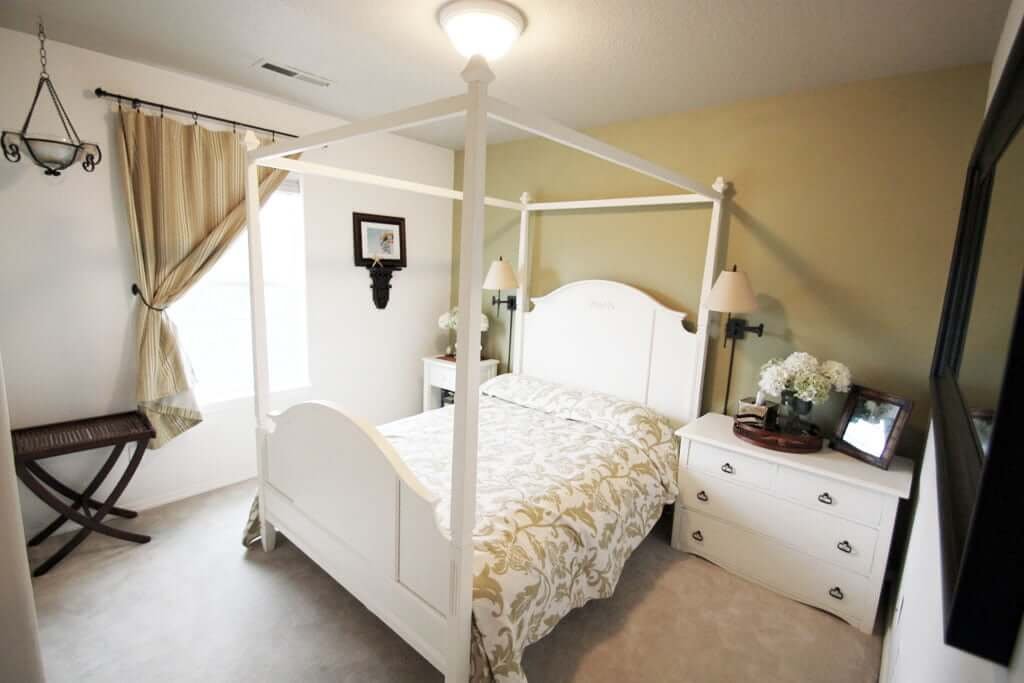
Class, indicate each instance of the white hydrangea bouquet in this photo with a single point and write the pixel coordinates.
(449, 322)
(802, 377)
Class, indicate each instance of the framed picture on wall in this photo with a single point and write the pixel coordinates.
(378, 239)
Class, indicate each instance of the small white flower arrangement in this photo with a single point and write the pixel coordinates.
(802, 374)
(449, 320)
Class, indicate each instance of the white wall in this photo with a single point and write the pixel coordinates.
(367, 360)
(914, 647)
(66, 313)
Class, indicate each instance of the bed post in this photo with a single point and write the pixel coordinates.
(711, 260)
(523, 293)
(258, 311)
(467, 372)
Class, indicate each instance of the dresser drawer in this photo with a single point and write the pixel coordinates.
(787, 571)
(841, 542)
(442, 376)
(730, 465)
(829, 495)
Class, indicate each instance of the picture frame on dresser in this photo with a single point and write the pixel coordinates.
(977, 367)
(871, 424)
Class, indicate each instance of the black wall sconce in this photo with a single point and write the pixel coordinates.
(53, 155)
(380, 275)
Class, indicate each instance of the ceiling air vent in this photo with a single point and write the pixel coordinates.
(292, 72)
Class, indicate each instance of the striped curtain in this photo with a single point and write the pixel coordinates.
(186, 203)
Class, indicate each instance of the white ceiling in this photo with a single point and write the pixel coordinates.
(583, 62)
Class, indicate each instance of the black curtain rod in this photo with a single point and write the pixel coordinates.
(137, 102)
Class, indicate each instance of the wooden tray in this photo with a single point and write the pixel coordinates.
(778, 441)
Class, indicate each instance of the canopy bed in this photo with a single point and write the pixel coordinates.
(600, 373)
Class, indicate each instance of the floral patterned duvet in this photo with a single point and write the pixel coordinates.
(568, 485)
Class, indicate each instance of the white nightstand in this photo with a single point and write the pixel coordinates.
(815, 527)
(439, 373)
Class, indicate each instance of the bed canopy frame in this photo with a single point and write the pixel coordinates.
(477, 106)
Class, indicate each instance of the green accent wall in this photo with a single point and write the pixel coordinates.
(844, 212)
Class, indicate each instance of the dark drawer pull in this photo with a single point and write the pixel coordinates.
(727, 468)
(836, 592)
(845, 546)
(702, 497)
(825, 498)
(698, 536)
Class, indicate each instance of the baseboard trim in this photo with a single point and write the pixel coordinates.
(141, 504)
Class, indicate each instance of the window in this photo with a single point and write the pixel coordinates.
(213, 318)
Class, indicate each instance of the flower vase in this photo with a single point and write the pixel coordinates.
(792, 413)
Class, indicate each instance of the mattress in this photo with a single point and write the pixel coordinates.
(568, 485)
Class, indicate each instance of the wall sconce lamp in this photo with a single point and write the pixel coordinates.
(501, 276)
(732, 294)
(50, 153)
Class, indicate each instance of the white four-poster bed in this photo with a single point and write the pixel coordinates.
(339, 489)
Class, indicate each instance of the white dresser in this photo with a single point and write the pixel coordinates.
(813, 527)
(439, 373)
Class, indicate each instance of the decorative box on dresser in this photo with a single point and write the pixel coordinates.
(439, 375)
(814, 527)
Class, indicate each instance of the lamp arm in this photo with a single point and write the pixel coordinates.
(511, 317)
(728, 379)
(736, 328)
(508, 302)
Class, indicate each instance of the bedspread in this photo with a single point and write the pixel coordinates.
(568, 485)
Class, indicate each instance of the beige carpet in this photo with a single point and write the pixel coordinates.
(192, 605)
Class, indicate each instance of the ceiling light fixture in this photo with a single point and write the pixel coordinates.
(481, 27)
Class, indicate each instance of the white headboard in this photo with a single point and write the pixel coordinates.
(609, 337)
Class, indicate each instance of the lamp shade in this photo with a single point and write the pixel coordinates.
(732, 293)
(500, 276)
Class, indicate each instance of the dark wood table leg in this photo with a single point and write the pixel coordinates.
(69, 492)
(82, 499)
(89, 523)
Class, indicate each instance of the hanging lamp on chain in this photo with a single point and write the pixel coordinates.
(51, 153)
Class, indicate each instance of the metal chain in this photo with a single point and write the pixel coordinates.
(42, 50)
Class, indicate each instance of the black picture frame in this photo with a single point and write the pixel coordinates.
(856, 393)
(361, 259)
(981, 506)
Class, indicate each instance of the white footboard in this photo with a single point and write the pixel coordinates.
(338, 490)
